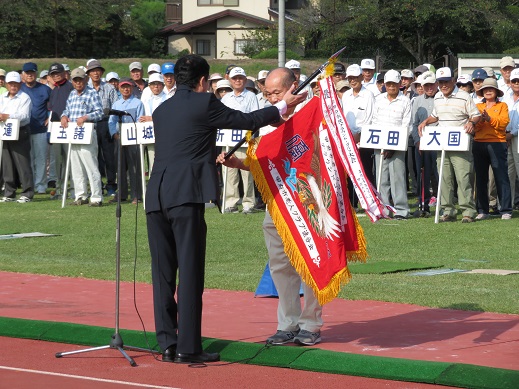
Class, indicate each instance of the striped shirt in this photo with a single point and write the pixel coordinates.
(396, 112)
(87, 103)
(108, 96)
(454, 110)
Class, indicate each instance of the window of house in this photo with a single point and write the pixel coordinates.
(239, 45)
(203, 47)
(225, 3)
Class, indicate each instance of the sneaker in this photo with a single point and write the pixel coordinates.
(282, 337)
(231, 210)
(23, 199)
(95, 204)
(79, 202)
(447, 218)
(506, 216)
(110, 192)
(432, 202)
(249, 210)
(51, 184)
(7, 199)
(482, 216)
(467, 219)
(307, 338)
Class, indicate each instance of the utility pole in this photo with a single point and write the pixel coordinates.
(281, 34)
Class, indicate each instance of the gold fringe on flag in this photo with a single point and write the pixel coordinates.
(297, 260)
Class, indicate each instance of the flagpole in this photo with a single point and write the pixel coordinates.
(309, 79)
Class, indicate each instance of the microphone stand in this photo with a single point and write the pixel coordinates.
(116, 341)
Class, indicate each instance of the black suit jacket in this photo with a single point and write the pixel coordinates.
(185, 146)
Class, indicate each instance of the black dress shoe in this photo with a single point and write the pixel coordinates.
(169, 354)
(196, 358)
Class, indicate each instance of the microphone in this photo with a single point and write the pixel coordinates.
(118, 113)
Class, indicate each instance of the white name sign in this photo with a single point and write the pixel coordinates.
(10, 129)
(445, 138)
(139, 134)
(72, 134)
(226, 137)
(384, 137)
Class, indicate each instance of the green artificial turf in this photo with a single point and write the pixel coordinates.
(301, 358)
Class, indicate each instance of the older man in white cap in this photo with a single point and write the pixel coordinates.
(507, 64)
(260, 81)
(368, 73)
(242, 100)
(392, 108)
(16, 154)
(455, 107)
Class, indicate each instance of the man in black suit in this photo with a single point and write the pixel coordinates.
(184, 179)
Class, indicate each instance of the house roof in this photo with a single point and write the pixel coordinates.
(179, 27)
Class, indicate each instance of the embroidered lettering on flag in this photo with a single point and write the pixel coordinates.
(304, 186)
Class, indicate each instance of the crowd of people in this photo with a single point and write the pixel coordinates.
(77, 96)
(405, 98)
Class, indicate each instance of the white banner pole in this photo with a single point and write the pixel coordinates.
(379, 171)
(224, 171)
(143, 176)
(65, 181)
(438, 195)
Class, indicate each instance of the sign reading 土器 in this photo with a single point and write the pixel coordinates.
(384, 137)
(73, 134)
(445, 138)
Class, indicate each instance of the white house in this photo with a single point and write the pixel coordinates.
(218, 29)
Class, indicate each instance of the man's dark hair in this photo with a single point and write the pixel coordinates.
(190, 69)
(288, 77)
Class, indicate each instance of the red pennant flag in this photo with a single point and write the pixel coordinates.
(304, 186)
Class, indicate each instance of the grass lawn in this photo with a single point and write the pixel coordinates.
(236, 253)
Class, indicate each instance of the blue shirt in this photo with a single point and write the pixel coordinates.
(87, 103)
(39, 95)
(132, 105)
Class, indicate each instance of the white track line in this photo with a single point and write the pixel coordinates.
(85, 378)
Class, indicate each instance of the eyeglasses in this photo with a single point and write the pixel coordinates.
(516, 81)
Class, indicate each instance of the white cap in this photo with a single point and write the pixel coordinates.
(392, 76)
(135, 65)
(66, 67)
(444, 74)
(215, 76)
(464, 79)
(353, 70)
(293, 64)
(367, 64)
(223, 84)
(112, 75)
(428, 77)
(154, 67)
(237, 71)
(262, 74)
(44, 73)
(407, 73)
(13, 77)
(514, 75)
(507, 61)
(490, 71)
(156, 77)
